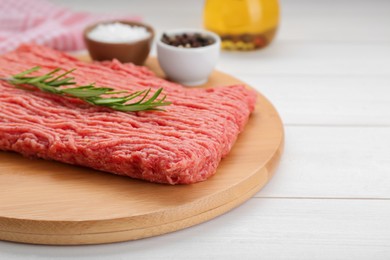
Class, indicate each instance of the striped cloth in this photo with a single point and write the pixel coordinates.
(42, 22)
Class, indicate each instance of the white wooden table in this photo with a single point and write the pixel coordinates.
(328, 74)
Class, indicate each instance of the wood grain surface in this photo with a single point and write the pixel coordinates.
(46, 202)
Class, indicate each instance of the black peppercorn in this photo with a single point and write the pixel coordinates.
(187, 40)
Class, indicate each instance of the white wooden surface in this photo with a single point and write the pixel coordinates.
(328, 74)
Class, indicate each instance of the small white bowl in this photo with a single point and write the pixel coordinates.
(188, 66)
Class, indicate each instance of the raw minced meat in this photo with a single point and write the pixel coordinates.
(181, 145)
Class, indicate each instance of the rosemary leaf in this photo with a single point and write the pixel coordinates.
(63, 82)
(60, 76)
(154, 97)
(85, 92)
(107, 101)
(21, 74)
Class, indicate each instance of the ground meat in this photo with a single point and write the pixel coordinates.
(181, 145)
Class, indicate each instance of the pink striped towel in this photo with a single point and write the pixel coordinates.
(42, 22)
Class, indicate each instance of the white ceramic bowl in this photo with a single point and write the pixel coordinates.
(188, 66)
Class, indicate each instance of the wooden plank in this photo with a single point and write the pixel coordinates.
(302, 59)
(327, 100)
(333, 162)
(340, 22)
(259, 229)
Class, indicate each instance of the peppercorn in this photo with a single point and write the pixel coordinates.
(187, 40)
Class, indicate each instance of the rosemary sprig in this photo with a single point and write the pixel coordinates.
(89, 93)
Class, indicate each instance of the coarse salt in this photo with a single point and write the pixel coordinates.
(118, 33)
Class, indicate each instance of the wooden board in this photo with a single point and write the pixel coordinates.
(45, 202)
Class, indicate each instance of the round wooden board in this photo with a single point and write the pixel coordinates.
(45, 202)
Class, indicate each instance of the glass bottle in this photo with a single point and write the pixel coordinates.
(242, 24)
